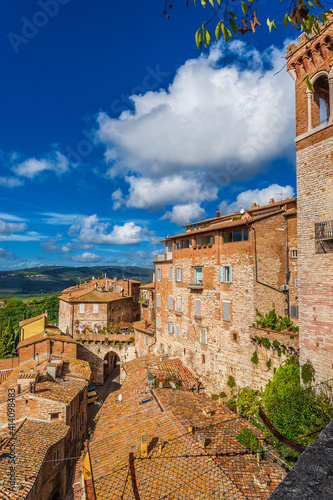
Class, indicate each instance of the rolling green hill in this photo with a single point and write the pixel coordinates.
(49, 280)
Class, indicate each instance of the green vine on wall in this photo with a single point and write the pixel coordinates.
(255, 359)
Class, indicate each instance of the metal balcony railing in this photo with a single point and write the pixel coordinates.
(324, 230)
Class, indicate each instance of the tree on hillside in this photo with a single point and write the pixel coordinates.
(8, 341)
(228, 19)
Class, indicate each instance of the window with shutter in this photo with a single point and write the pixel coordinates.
(296, 282)
(198, 307)
(81, 308)
(198, 276)
(95, 308)
(158, 322)
(170, 273)
(158, 300)
(179, 274)
(178, 330)
(203, 335)
(179, 304)
(226, 274)
(159, 274)
(226, 311)
(170, 303)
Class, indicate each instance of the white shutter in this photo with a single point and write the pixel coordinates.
(81, 308)
(158, 300)
(95, 308)
(222, 274)
(181, 274)
(170, 273)
(197, 307)
(170, 303)
(158, 322)
(179, 304)
(226, 311)
(178, 330)
(296, 282)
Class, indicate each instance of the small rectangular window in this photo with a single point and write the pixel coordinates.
(169, 350)
(147, 340)
(198, 276)
(159, 274)
(170, 327)
(184, 351)
(54, 416)
(203, 335)
(237, 236)
(95, 308)
(294, 312)
(197, 307)
(81, 308)
(170, 273)
(227, 237)
(158, 322)
(203, 359)
(207, 240)
(178, 330)
(226, 274)
(296, 282)
(185, 244)
(179, 304)
(158, 300)
(179, 274)
(226, 311)
(294, 254)
(178, 245)
(56, 457)
(170, 303)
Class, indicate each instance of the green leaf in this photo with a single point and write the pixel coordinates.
(218, 30)
(233, 26)
(208, 38)
(285, 20)
(203, 2)
(212, 3)
(311, 5)
(317, 3)
(197, 37)
(231, 14)
(324, 18)
(244, 7)
(226, 33)
(271, 25)
(308, 83)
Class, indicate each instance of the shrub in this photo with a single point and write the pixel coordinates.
(308, 372)
(222, 395)
(265, 342)
(215, 397)
(231, 382)
(255, 359)
(248, 439)
(269, 363)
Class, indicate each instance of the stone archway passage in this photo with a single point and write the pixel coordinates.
(110, 360)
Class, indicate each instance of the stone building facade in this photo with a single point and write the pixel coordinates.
(147, 302)
(213, 278)
(313, 56)
(96, 304)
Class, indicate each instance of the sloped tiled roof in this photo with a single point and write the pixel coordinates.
(181, 470)
(92, 295)
(32, 442)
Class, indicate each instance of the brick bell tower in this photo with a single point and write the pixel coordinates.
(314, 145)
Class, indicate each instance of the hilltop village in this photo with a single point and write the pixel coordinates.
(233, 297)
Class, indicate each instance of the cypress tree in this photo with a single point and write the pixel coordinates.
(8, 340)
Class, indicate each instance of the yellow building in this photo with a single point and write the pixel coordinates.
(33, 326)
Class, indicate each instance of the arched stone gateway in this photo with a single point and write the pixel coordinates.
(103, 356)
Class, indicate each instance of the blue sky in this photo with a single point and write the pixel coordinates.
(115, 131)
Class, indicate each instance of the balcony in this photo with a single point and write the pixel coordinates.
(195, 286)
(324, 230)
(165, 257)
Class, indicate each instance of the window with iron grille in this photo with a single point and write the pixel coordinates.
(294, 312)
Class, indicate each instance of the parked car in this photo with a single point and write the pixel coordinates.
(92, 396)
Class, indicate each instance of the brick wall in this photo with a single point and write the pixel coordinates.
(315, 190)
(228, 348)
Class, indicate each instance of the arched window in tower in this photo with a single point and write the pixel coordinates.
(321, 101)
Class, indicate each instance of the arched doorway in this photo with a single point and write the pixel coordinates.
(110, 362)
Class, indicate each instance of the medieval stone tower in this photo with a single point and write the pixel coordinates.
(314, 144)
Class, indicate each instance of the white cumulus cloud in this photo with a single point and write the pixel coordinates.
(259, 196)
(90, 230)
(86, 257)
(184, 214)
(55, 162)
(222, 119)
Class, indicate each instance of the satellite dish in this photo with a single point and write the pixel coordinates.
(120, 397)
(242, 211)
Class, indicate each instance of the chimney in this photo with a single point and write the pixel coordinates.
(218, 213)
(144, 445)
(18, 389)
(271, 201)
